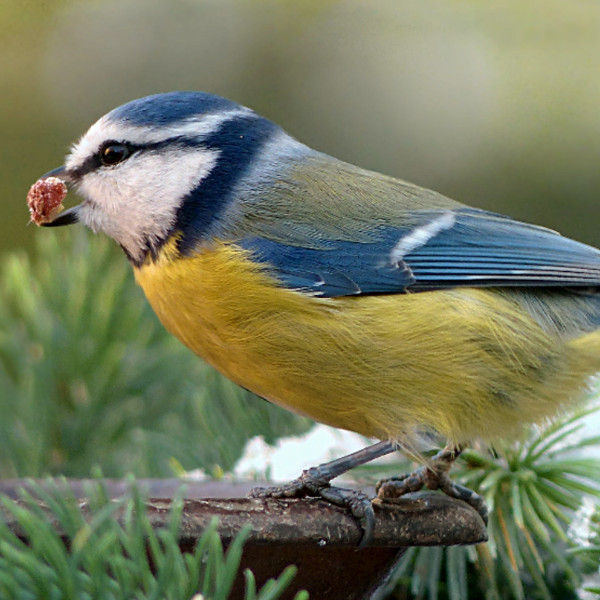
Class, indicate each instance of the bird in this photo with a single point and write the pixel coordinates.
(357, 299)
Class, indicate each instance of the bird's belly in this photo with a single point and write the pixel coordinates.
(384, 366)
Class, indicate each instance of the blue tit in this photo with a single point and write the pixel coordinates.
(360, 300)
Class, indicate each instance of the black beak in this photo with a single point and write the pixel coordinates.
(59, 172)
(69, 216)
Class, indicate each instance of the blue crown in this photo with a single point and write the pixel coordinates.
(162, 109)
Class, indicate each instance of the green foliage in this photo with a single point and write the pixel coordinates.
(534, 490)
(589, 550)
(88, 376)
(112, 558)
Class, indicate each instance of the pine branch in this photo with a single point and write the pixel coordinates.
(90, 377)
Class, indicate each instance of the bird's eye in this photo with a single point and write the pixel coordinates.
(113, 153)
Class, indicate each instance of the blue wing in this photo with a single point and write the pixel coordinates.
(440, 249)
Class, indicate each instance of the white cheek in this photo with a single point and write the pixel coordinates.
(137, 201)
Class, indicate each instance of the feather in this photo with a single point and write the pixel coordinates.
(474, 248)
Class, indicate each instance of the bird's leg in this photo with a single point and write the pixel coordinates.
(315, 482)
(435, 477)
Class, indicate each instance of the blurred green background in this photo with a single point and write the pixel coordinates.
(493, 103)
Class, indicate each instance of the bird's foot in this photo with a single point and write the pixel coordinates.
(314, 483)
(434, 477)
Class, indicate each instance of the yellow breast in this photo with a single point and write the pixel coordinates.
(461, 361)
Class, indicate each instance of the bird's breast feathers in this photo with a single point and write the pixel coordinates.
(368, 363)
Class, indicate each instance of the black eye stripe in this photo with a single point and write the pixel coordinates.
(94, 161)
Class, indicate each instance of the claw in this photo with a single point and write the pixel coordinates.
(434, 476)
(360, 506)
(315, 485)
(315, 482)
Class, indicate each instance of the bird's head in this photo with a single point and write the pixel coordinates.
(164, 164)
